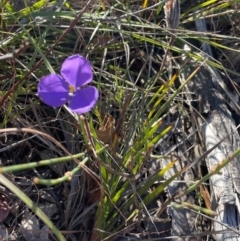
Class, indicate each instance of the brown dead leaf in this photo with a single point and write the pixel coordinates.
(206, 196)
(4, 208)
(105, 131)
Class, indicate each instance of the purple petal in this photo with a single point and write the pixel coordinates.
(77, 71)
(84, 100)
(53, 90)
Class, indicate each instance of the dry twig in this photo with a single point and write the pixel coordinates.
(172, 15)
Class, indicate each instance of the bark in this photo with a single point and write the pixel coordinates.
(225, 186)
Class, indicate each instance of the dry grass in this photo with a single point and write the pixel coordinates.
(125, 48)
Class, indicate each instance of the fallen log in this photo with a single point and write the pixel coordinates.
(219, 124)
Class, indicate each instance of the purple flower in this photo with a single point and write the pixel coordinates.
(56, 90)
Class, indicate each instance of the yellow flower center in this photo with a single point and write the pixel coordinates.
(71, 89)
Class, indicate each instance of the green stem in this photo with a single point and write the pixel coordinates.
(25, 166)
(67, 177)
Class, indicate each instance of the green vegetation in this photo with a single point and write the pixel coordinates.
(99, 166)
